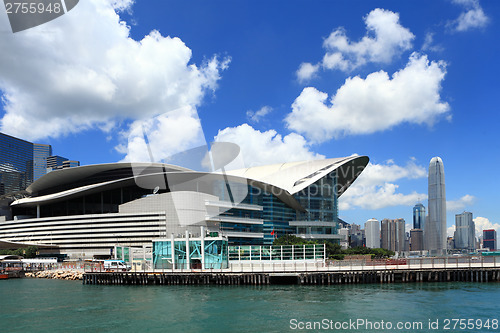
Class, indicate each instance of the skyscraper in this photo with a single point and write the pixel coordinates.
(419, 216)
(490, 239)
(465, 232)
(40, 154)
(372, 233)
(416, 240)
(16, 164)
(435, 228)
(23, 162)
(393, 234)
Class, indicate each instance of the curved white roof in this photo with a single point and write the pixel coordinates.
(283, 180)
(295, 176)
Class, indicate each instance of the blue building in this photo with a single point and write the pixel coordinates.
(23, 162)
(16, 164)
(418, 216)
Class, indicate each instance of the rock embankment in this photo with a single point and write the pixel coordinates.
(57, 274)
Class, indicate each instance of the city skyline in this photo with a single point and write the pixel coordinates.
(281, 88)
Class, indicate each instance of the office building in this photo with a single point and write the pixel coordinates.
(41, 153)
(23, 162)
(419, 216)
(57, 162)
(87, 210)
(16, 164)
(490, 239)
(372, 233)
(416, 240)
(435, 228)
(393, 234)
(465, 232)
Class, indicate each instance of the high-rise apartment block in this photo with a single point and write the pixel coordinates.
(465, 232)
(372, 233)
(435, 227)
(393, 234)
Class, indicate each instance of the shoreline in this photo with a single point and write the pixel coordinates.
(70, 275)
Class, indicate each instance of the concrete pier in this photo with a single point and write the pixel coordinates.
(302, 278)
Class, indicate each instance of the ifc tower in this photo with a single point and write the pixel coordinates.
(435, 227)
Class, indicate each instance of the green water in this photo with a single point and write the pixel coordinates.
(39, 305)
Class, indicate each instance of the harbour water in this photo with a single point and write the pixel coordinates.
(40, 305)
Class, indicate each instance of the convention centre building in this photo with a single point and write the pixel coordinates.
(86, 211)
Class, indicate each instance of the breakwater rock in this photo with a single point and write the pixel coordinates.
(56, 274)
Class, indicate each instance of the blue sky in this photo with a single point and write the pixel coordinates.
(399, 81)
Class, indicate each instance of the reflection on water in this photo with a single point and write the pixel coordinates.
(51, 305)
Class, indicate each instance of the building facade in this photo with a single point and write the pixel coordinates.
(419, 216)
(465, 232)
(23, 162)
(16, 164)
(372, 232)
(41, 153)
(88, 210)
(490, 239)
(393, 234)
(435, 228)
(416, 240)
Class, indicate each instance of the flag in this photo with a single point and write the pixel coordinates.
(272, 232)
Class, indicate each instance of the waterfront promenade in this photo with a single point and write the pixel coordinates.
(473, 269)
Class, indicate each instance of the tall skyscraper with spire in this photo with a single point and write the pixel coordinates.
(435, 227)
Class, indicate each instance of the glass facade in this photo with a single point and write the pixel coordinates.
(277, 252)
(16, 164)
(214, 254)
(418, 216)
(96, 203)
(41, 154)
(23, 162)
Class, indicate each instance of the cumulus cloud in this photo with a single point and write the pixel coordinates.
(385, 39)
(457, 205)
(450, 232)
(83, 71)
(375, 187)
(157, 138)
(306, 71)
(269, 147)
(256, 116)
(377, 103)
(472, 17)
(482, 223)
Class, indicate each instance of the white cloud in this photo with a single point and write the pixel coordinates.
(450, 232)
(166, 135)
(385, 39)
(375, 187)
(429, 43)
(377, 103)
(269, 147)
(473, 16)
(457, 205)
(257, 115)
(84, 71)
(482, 223)
(306, 71)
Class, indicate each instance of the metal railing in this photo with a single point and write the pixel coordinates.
(297, 266)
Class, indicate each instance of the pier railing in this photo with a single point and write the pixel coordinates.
(294, 266)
